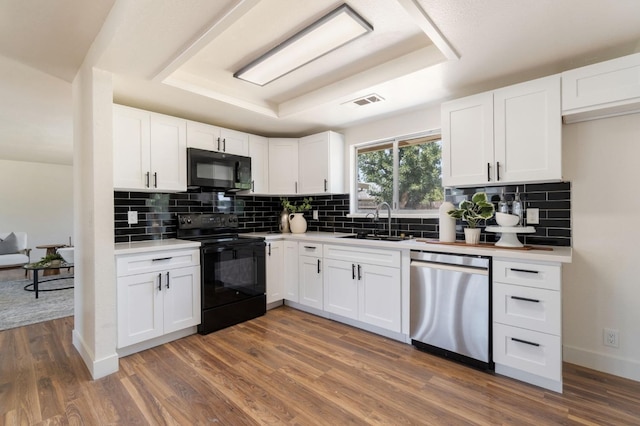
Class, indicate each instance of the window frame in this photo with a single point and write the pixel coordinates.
(435, 134)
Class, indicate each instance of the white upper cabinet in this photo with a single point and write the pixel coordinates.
(602, 90)
(528, 131)
(467, 140)
(214, 138)
(259, 153)
(321, 163)
(283, 166)
(510, 135)
(149, 151)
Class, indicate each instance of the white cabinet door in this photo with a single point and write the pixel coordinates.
(380, 299)
(131, 145)
(234, 142)
(283, 166)
(168, 153)
(310, 281)
(181, 294)
(291, 271)
(341, 288)
(602, 90)
(259, 153)
(467, 141)
(203, 136)
(140, 310)
(321, 163)
(275, 273)
(528, 131)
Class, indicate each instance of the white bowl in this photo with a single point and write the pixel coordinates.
(505, 219)
(66, 253)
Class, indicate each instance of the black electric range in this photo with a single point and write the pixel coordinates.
(233, 270)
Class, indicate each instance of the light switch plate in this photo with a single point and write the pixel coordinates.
(132, 217)
(533, 216)
(315, 215)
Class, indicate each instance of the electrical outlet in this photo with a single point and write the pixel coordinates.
(315, 215)
(132, 217)
(533, 216)
(611, 337)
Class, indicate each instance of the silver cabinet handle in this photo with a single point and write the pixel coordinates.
(353, 271)
(325, 185)
(318, 265)
(147, 179)
(161, 258)
(527, 271)
(359, 272)
(155, 179)
(160, 282)
(167, 279)
(498, 171)
(218, 144)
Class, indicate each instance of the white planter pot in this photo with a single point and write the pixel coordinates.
(297, 223)
(472, 235)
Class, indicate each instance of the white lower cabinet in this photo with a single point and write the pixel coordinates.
(157, 293)
(359, 285)
(527, 321)
(310, 275)
(275, 271)
(291, 271)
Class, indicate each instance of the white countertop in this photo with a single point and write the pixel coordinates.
(558, 254)
(154, 245)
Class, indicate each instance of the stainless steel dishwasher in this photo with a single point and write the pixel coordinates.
(450, 306)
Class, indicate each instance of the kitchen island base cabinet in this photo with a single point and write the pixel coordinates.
(157, 296)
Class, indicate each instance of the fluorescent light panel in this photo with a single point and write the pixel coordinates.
(333, 30)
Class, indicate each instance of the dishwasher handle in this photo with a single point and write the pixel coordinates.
(447, 267)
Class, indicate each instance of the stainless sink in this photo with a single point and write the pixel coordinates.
(378, 237)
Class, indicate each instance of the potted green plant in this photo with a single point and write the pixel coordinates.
(472, 211)
(297, 222)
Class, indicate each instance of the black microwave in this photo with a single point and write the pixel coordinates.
(217, 170)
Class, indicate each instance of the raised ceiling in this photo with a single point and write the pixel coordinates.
(178, 57)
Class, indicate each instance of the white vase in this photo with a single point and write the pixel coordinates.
(297, 223)
(447, 224)
(472, 235)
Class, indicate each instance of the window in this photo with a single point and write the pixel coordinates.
(404, 172)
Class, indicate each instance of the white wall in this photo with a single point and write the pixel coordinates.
(601, 288)
(37, 198)
(404, 124)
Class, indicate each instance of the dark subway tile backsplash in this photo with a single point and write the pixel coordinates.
(157, 213)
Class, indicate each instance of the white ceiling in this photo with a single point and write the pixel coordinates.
(178, 57)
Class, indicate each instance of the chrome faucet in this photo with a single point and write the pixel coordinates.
(384, 204)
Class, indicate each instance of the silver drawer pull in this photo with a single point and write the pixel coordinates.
(161, 258)
(524, 270)
(525, 299)
(525, 342)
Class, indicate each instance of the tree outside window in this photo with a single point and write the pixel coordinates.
(405, 172)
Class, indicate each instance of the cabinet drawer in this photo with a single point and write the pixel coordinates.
(527, 307)
(363, 255)
(529, 351)
(540, 275)
(156, 261)
(310, 249)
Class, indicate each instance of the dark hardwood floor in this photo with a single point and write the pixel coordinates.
(287, 367)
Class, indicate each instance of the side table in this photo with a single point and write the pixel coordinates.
(51, 249)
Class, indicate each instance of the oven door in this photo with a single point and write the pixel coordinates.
(232, 272)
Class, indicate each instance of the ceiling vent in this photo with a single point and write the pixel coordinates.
(364, 100)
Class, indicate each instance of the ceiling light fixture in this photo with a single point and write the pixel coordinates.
(328, 33)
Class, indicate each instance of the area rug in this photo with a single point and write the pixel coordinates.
(19, 307)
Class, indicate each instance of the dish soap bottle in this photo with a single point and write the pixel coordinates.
(516, 206)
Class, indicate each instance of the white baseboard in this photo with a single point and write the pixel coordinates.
(97, 368)
(607, 363)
